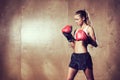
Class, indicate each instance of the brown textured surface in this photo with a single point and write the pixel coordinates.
(33, 48)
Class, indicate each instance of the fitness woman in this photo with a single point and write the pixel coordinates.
(83, 35)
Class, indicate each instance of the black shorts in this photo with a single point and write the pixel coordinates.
(81, 61)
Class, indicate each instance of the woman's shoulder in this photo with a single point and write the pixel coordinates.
(90, 27)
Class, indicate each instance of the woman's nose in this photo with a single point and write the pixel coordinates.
(76, 21)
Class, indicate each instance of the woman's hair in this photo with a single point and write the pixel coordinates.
(84, 14)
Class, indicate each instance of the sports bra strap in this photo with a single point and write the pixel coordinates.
(85, 29)
(75, 31)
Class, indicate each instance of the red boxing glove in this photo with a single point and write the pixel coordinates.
(80, 35)
(67, 33)
(67, 29)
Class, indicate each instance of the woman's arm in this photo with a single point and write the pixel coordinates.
(92, 37)
(72, 44)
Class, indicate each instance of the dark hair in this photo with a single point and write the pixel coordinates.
(83, 14)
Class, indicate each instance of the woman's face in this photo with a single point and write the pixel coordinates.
(78, 19)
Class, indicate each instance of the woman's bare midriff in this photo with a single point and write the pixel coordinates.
(80, 47)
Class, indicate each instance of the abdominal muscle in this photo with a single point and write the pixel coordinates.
(80, 47)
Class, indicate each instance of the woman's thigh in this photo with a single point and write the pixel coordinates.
(71, 73)
(89, 74)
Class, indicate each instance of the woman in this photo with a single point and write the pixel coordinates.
(84, 35)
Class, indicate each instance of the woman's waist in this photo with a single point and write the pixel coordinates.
(84, 53)
(80, 49)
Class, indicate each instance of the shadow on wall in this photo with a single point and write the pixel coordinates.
(4, 38)
(7, 11)
(114, 12)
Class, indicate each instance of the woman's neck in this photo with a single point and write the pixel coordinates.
(83, 26)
